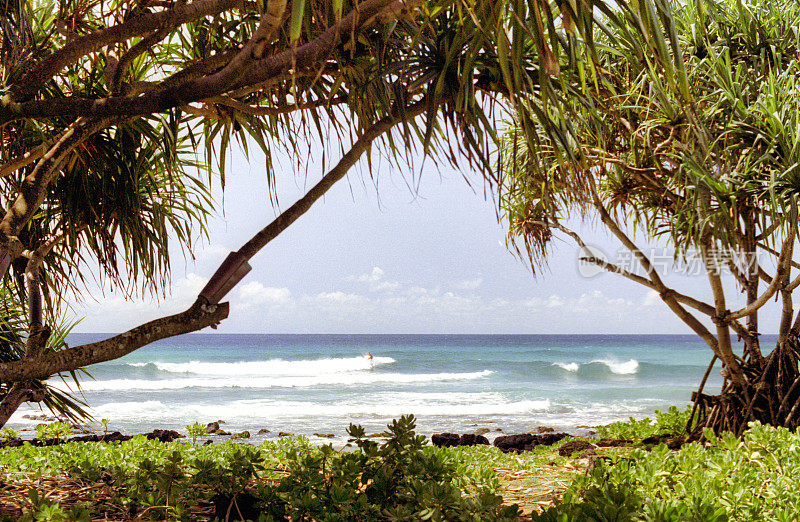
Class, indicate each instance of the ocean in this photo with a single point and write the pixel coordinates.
(306, 384)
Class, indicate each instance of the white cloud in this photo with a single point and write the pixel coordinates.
(470, 284)
(652, 298)
(376, 281)
(339, 297)
(255, 293)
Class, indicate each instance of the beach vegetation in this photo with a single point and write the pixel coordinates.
(671, 422)
(117, 120)
(726, 478)
(400, 479)
(682, 143)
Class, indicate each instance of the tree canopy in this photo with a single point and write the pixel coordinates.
(690, 135)
(103, 106)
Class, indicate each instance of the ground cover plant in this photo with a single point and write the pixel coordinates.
(399, 479)
(726, 478)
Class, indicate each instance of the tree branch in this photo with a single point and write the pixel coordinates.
(23, 161)
(198, 316)
(261, 110)
(307, 55)
(140, 25)
(690, 320)
(783, 260)
(302, 205)
(34, 187)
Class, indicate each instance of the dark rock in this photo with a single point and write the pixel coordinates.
(209, 441)
(114, 436)
(612, 443)
(222, 433)
(284, 434)
(212, 427)
(164, 435)
(325, 435)
(470, 439)
(445, 440)
(575, 446)
(545, 429)
(588, 453)
(242, 435)
(656, 439)
(526, 441)
(498, 429)
(676, 443)
(449, 440)
(220, 421)
(245, 506)
(263, 431)
(481, 431)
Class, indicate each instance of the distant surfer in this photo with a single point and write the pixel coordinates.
(369, 355)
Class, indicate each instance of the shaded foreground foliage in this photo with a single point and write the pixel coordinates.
(401, 479)
(725, 478)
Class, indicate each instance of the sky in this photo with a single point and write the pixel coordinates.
(376, 256)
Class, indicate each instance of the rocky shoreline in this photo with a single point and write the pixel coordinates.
(516, 442)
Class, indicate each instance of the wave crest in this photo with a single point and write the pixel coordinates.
(278, 367)
(617, 367)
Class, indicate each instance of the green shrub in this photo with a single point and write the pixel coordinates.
(401, 479)
(728, 479)
(673, 421)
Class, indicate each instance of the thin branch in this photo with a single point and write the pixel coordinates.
(140, 25)
(34, 187)
(775, 284)
(690, 320)
(671, 293)
(302, 205)
(775, 253)
(263, 110)
(305, 56)
(23, 161)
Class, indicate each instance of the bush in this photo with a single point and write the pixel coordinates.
(728, 479)
(671, 422)
(401, 479)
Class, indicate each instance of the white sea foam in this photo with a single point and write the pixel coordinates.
(266, 410)
(570, 367)
(265, 382)
(280, 367)
(620, 367)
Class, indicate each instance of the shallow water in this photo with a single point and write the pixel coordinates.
(303, 384)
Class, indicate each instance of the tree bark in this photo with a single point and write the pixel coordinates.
(197, 317)
(311, 54)
(140, 25)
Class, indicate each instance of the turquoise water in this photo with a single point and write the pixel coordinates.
(303, 384)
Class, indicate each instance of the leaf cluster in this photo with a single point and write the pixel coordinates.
(684, 122)
(400, 479)
(671, 422)
(727, 479)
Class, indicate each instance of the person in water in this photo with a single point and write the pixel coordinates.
(369, 355)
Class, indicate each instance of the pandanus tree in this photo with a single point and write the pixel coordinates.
(116, 118)
(682, 130)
